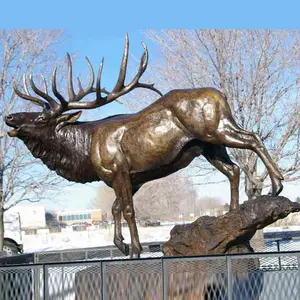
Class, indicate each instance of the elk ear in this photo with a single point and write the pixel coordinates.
(67, 119)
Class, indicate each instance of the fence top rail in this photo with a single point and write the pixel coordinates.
(163, 258)
(102, 248)
(158, 243)
(263, 254)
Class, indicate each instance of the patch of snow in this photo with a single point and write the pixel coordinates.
(281, 229)
(68, 239)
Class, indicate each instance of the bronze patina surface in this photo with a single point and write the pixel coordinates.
(126, 151)
(230, 233)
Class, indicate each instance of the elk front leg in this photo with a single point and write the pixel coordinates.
(219, 158)
(123, 189)
(118, 237)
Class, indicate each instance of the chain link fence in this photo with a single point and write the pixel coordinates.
(273, 276)
(105, 273)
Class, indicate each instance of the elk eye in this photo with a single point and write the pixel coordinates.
(41, 118)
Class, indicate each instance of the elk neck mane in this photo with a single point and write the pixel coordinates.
(67, 152)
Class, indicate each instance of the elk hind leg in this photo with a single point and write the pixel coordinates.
(219, 158)
(123, 189)
(118, 237)
(235, 137)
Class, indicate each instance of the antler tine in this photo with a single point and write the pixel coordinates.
(149, 87)
(82, 93)
(25, 85)
(27, 96)
(99, 90)
(142, 68)
(89, 89)
(98, 82)
(51, 101)
(81, 90)
(45, 84)
(135, 82)
(121, 79)
(70, 82)
(90, 86)
(56, 93)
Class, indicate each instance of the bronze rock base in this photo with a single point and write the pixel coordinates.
(230, 233)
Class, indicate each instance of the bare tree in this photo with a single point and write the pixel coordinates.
(259, 72)
(104, 200)
(165, 199)
(21, 177)
(208, 203)
(158, 199)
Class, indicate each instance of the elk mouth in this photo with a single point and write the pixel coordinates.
(13, 132)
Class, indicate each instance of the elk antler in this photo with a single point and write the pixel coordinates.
(27, 96)
(119, 90)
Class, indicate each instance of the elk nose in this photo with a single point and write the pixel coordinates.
(9, 117)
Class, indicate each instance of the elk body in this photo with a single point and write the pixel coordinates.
(125, 151)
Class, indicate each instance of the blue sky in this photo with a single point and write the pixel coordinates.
(108, 18)
(97, 28)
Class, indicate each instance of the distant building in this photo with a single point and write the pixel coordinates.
(71, 217)
(32, 216)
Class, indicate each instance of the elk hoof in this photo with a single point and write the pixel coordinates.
(135, 255)
(136, 250)
(277, 188)
(126, 249)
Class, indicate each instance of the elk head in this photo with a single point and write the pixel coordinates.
(35, 124)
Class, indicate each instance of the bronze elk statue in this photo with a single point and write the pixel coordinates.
(126, 151)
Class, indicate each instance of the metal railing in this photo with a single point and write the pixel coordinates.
(149, 250)
(273, 276)
(103, 253)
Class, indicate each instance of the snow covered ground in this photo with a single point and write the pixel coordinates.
(281, 229)
(69, 239)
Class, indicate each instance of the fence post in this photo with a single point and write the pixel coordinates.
(165, 279)
(298, 263)
(278, 245)
(278, 250)
(62, 281)
(45, 278)
(37, 282)
(229, 277)
(103, 280)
